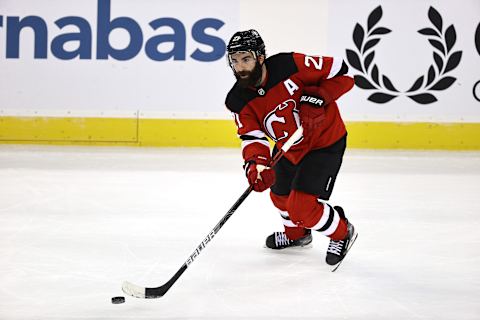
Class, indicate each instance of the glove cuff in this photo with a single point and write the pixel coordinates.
(259, 159)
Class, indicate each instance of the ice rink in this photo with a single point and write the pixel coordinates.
(75, 222)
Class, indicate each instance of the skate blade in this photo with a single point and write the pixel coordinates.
(307, 246)
(335, 267)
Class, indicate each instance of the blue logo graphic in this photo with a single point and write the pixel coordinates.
(105, 25)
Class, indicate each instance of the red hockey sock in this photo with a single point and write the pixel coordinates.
(341, 231)
(293, 232)
(307, 210)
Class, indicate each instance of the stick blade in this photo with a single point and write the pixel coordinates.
(134, 290)
(144, 293)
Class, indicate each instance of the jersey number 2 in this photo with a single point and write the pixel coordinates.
(316, 61)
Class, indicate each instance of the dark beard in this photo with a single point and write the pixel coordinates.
(253, 78)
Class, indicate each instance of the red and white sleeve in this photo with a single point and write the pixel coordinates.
(255, 145)
(313, 69)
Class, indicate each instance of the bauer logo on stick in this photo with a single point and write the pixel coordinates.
(200, 247)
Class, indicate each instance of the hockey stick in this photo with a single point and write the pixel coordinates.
(151, 293)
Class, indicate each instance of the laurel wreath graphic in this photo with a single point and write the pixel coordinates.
(436, 79)
(363, 60)
(477, 38)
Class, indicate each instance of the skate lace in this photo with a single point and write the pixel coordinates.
(281, 239)
(335, 247)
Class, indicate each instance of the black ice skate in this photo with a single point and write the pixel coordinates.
(279, 240)
(338, 249)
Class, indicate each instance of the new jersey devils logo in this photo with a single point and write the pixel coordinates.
(282, 120)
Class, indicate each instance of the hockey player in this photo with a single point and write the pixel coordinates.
(273, 97)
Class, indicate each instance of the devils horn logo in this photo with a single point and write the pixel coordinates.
(280, 121)
(444, 61)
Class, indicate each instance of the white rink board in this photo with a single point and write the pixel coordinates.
(196, 89)
(112, 87)
(152, 89)
(403, 55)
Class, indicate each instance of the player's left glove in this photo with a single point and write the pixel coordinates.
(259, 176)
(312, 112)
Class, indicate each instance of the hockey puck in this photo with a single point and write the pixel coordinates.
(118, 300)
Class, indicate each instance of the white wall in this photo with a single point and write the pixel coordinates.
(109, 87)
(286, 25)
(190, 88)
(404, 55)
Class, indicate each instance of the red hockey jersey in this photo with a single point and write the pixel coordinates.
(272, 109)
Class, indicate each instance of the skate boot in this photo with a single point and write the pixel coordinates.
(279, 240)
(337, 249)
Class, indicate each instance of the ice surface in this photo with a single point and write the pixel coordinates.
(75, 222)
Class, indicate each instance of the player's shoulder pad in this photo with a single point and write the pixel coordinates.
(238, 98)
(280, 67)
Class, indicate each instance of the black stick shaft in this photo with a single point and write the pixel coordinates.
(160, 291)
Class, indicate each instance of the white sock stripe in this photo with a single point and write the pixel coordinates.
(284, 214)
(333, 226)
(286, 219)
(324, 217)
(289, 223)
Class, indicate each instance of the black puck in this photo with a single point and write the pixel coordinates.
(118, 300)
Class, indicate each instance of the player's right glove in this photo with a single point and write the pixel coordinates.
(259, 176)
(312, 112)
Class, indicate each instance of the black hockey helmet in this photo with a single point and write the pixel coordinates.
(246, 41)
